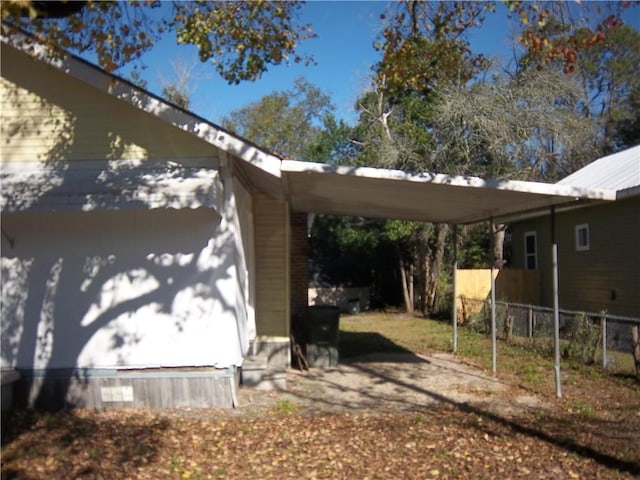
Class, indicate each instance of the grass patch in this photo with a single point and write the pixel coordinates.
(285, 407)
(522, 363)
(389, 333)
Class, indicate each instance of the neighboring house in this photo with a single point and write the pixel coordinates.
(598, 244)
(129, 248)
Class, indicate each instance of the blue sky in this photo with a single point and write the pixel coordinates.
(343, 51)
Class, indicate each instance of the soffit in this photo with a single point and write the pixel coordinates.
(378, 193)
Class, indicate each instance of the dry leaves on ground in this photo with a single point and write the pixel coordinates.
(439, 442)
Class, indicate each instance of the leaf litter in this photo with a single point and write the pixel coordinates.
(371, 419)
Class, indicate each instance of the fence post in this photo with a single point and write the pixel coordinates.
(556, 303)
(530, 332)
(455, 289)
(494, 343)
(604, 340)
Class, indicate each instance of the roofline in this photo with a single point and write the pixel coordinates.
(551, 195)
(628, 192)
(550, 189)
(626, 189)
(126, 91)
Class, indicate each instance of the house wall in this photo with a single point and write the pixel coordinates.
(246, 260)
(113, 289)
(299, 273)
(272, 239)
(50, 116)
(607, 276)
(189, 270)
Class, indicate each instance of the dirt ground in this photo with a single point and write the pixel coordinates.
(393, 382)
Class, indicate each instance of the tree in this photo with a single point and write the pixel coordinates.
(591, 42)
(354, 251)
(424, 44)
(179, 90)
(557, 31)
(240, 39)
(526, 126)
(287, 122)
(423, 47)
(609, 74)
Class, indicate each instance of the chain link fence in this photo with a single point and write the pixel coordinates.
(586, 337)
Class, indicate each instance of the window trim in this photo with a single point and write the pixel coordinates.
(535, 250)
(580, 247)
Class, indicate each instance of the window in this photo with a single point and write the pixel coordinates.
(530, 251)
(582, 237)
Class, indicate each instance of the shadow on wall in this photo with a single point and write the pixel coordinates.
(104, 289)
(121, 285)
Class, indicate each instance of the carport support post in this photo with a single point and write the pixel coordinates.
(494, 347)
(556, 302)
(455, 289)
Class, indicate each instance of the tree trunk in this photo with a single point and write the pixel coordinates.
(433, 266)
(411, 288)
(422, 275)
(635, 345)
(407, 286)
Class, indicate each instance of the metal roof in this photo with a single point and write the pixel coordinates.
(619, 171)
(381, 193)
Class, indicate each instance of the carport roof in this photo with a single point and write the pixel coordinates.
(380, 193)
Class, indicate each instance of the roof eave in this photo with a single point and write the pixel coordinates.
(533, 196)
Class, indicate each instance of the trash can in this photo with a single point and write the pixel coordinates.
(322, 335)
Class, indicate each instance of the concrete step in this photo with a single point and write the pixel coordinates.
(256, 373)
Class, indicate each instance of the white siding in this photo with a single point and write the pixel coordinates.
(131, 288)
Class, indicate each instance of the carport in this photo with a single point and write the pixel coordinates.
(436, 198)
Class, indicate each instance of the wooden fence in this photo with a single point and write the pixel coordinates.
(474, 286)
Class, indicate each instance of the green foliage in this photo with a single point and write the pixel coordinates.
(287, 122)
(475, 247)
(400, 230)
(583, 339)
(610, 72)
(394, 133)
(424, 44)
(558, 32)
(333, 143)
(353, 251)
(176, 96)
(240, 39)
